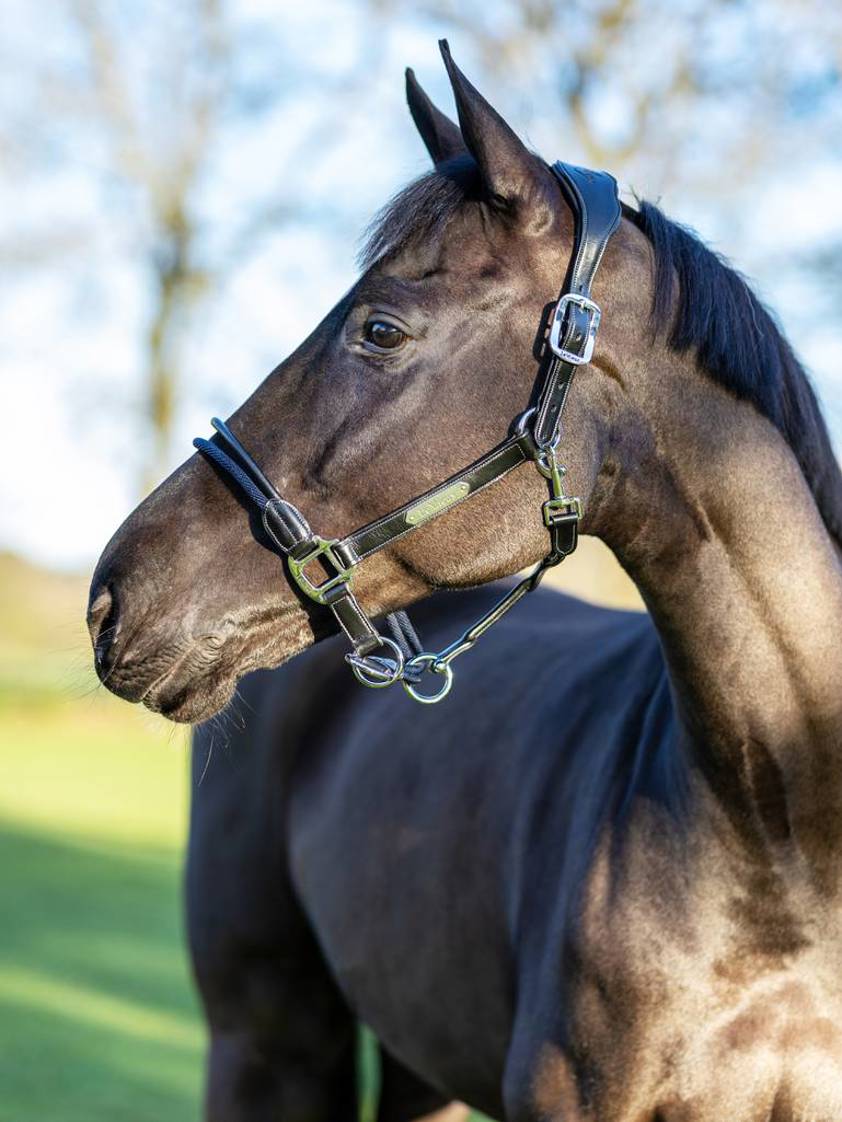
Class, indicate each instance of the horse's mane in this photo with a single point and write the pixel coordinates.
(711, 311)
(737, 342)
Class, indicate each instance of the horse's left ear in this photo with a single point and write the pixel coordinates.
(441, 137)
(516, 181)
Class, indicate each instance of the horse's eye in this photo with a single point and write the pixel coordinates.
(384, 336)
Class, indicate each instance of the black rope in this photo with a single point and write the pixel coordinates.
(227, 463)
(406, 637)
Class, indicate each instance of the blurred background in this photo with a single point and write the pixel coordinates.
(182, 188)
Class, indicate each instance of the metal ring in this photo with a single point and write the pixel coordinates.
(377, 677)
(550, 445)
(432, 661)
(523, 419)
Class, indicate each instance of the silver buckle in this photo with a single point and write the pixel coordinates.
(557, 327)
(322, 547)
(557, 510)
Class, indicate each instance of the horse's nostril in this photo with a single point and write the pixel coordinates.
(103, 622)
(99, 607)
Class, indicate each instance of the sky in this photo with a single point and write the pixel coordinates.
(70, 324)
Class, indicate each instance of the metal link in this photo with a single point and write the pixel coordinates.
(375, 671)
(433, 663)
(560, 504)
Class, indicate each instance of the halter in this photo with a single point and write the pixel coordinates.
(376, 660)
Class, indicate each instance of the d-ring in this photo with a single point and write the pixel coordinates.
(374, 671)
(436, 667)
(524, 419)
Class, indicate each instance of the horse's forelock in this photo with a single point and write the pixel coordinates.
(421, 210)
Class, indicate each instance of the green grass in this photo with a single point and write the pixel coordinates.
(98, 1019)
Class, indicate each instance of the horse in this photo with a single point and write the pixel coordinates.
(601, 883)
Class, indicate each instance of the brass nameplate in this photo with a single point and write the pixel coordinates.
(436, 503)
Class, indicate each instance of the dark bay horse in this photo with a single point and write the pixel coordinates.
(602, 881)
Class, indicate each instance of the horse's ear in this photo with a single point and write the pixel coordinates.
(515, 180)
(442, 138)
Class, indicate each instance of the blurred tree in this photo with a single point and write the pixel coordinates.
(162, 164)
(149, 101)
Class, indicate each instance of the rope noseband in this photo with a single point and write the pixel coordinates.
(377, 660)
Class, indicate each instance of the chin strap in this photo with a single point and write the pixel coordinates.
(377, 660)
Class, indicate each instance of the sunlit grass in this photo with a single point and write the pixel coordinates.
(94, 769)
(98, 1019)
(83, 1005)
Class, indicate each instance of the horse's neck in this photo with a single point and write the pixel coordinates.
(718, 528)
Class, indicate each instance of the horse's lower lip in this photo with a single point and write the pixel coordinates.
(189, 700)
(175, 693)
(155, 697)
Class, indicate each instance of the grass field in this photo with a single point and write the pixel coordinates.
(97, 1015)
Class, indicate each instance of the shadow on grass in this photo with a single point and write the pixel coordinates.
(97, 1015)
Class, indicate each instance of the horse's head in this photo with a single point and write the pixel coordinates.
(418, 369)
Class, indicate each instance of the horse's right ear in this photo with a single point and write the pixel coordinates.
(515, 180)
(440, 135)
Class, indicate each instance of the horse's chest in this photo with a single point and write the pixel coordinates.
(703, 1011)
(775, 1052)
